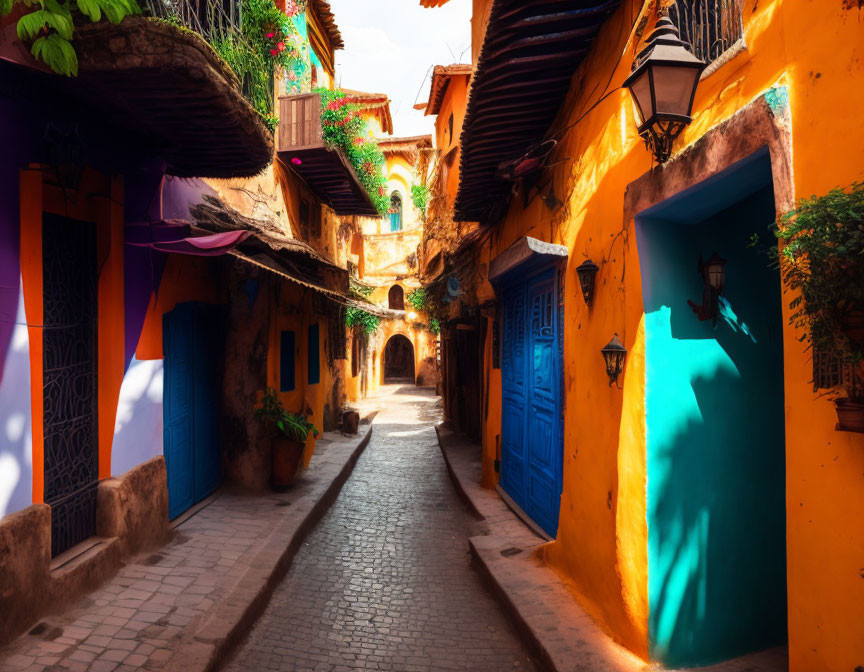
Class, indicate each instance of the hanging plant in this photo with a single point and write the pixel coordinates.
(418, 299)
(420, 197)
(48, 27)
(357, 317)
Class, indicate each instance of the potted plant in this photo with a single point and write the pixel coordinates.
(822, 259)
(290, 431)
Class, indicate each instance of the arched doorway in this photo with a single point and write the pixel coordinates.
(396, 298)
(398, 360)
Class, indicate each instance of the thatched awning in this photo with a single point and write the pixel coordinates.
(441, 76)
(163, 91)
(529, 55)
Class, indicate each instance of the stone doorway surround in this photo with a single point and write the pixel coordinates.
(764, 122)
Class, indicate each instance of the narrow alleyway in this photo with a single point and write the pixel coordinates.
(384, 582)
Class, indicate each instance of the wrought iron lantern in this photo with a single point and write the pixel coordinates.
(663, 84)
(713, 272)
(614, 354)
(587, 272)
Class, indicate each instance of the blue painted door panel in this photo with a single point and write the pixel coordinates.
(531, 436)
(191, 334)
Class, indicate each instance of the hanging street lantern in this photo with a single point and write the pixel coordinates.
(663, 85)
(587, 272)
(614, 355)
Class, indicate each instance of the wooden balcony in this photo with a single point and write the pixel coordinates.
(326, 171)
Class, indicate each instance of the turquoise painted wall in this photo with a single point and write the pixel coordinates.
(715, 434)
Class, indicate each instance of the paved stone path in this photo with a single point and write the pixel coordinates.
(140, 618)
(384, 582)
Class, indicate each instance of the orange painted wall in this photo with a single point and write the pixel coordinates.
(185, 278)
(455, 102)
(87, 205)
(816, 48)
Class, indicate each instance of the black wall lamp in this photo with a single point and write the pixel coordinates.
(587, 273)
(663, 85)
(614, 355)
(713, 274)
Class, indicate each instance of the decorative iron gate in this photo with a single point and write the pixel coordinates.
(69, 365)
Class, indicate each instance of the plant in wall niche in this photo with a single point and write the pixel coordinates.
(357, 317)
(821, 258)
(420, 197)
(345, 130)
(435, 326)
(48, 27)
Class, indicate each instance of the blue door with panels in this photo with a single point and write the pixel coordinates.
(192, 385)
(531, 369)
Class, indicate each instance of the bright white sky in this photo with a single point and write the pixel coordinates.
(390, 46)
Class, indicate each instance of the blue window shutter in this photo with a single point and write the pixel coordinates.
(286, 361)
(314, 358)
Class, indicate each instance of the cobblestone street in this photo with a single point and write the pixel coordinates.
(385, 582)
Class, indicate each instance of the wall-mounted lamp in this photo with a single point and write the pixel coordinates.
(713, 274)
(587, 272)
(663, 85)
(614, 354)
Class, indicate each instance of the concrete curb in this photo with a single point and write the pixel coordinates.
(212, 644)
(445, 437)
(559, 634)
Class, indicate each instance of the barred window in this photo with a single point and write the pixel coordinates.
(710, 27)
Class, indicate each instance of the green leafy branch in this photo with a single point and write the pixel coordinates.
(822, 258)
(420, 197)
(418, 299)
(49, 27)
(293, 425)
(357, 317)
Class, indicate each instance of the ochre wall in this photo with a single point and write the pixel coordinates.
(815, 49)
(455, 102)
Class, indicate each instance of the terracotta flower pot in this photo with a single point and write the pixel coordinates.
(286, 457)
(850, 415)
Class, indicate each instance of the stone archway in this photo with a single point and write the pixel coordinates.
(399, 360)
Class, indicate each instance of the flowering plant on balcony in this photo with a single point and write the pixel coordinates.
(345, 129)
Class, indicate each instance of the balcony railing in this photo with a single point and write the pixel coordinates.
(710, 27)
(326, 171)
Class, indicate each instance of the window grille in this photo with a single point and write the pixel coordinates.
(337, 333)
(710, 27)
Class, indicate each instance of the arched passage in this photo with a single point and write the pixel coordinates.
(396, 298)
(398, 360)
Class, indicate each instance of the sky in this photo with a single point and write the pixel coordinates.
(390, 46)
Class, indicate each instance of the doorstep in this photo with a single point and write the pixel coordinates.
(558, 631)
(186, 605)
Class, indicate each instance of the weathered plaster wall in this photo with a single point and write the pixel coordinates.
(814, 48)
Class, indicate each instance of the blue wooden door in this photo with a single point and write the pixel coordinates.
(531, 362)
(191, 404)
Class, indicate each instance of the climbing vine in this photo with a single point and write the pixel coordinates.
(420, 197)
(48, 27)
(357, 317)
(345, 129)
(418, 299)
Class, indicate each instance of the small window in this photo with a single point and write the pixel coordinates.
(396, 211)
(450, 127)
(314, 356)
(396, 298)
(286, 361)
(337, 334)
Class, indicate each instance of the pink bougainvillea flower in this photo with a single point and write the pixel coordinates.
(269, 36)
(281, 46)
(273, 52)
(358, 141)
